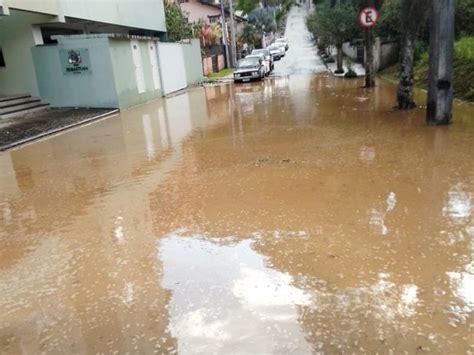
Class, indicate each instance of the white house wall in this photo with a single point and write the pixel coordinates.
(51, 7)
(143, 14)
(172, 67)
(146, 14)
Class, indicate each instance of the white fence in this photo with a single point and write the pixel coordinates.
(173, 73)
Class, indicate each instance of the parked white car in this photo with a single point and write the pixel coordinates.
(283, 41)
(276, 51)
(282, 47)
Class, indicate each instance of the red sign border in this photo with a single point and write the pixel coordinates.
(363, 10)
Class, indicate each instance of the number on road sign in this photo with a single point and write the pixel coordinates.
(368, 17)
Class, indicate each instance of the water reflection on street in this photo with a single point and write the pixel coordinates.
(301, 214)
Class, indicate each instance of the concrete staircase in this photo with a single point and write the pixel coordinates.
(19, 105)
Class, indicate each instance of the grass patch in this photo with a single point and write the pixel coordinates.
(463, 66)
(216, 76)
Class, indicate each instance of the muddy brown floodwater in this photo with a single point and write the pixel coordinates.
(298, 215)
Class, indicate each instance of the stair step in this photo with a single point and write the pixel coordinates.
(16, 108)
(24, 112)
(14, 97)
(9, 103)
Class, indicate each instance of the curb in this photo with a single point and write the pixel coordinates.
(58, 130)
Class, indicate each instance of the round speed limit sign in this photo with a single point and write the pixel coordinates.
(368, 17)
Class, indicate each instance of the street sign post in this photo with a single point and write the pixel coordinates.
(368, 18)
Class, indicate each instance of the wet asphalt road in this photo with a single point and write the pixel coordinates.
(301, 58)
(297, 215)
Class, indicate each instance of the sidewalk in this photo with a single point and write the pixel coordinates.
(19, 130)
(357, 67)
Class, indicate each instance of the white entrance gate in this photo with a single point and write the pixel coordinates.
(172, 67)
(154, 64)
(137, 62)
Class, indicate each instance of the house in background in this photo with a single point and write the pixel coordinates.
(208, 12)
(89, 53)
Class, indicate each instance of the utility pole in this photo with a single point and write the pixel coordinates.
(224, 36)
(369, 58)
(232, 34)
(440, 82)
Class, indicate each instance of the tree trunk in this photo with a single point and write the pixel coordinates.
(405, 87)
(440, 85)
(340, 68)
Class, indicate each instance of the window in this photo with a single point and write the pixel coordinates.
(214, 19)
(2, 59)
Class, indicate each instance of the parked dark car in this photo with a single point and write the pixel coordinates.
(248, 69)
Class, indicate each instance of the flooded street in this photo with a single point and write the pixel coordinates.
(301, 214)
(301, 57)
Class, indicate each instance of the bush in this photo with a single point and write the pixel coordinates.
(350, 74)
(263, 20)
(463, 67)
(464, 18)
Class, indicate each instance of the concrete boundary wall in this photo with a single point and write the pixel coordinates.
(193, 62)
(107, 71)
(385, 53)
(92, 88)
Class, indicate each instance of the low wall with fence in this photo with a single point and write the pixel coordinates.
(213, 63)
(385, 53)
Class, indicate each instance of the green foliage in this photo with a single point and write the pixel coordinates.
(217, 76)
(464, 49)
(421, 50)
(251, 36)
(246, 6)
(262, 19)
(400, 14)
(389, 24)
(334, 25)
(350, 71)
(463, 66)
(463, 70)
(177, 25)
(283, 10)
(464, 21)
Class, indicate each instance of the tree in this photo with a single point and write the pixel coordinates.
(177, 25)
(262, 19)
(334, 25)
(250, 36)
(246, 6)
(388, 27)
(413, 14)
(464, 18)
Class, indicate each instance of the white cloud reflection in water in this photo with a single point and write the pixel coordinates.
(225, 298)
(459, 203)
